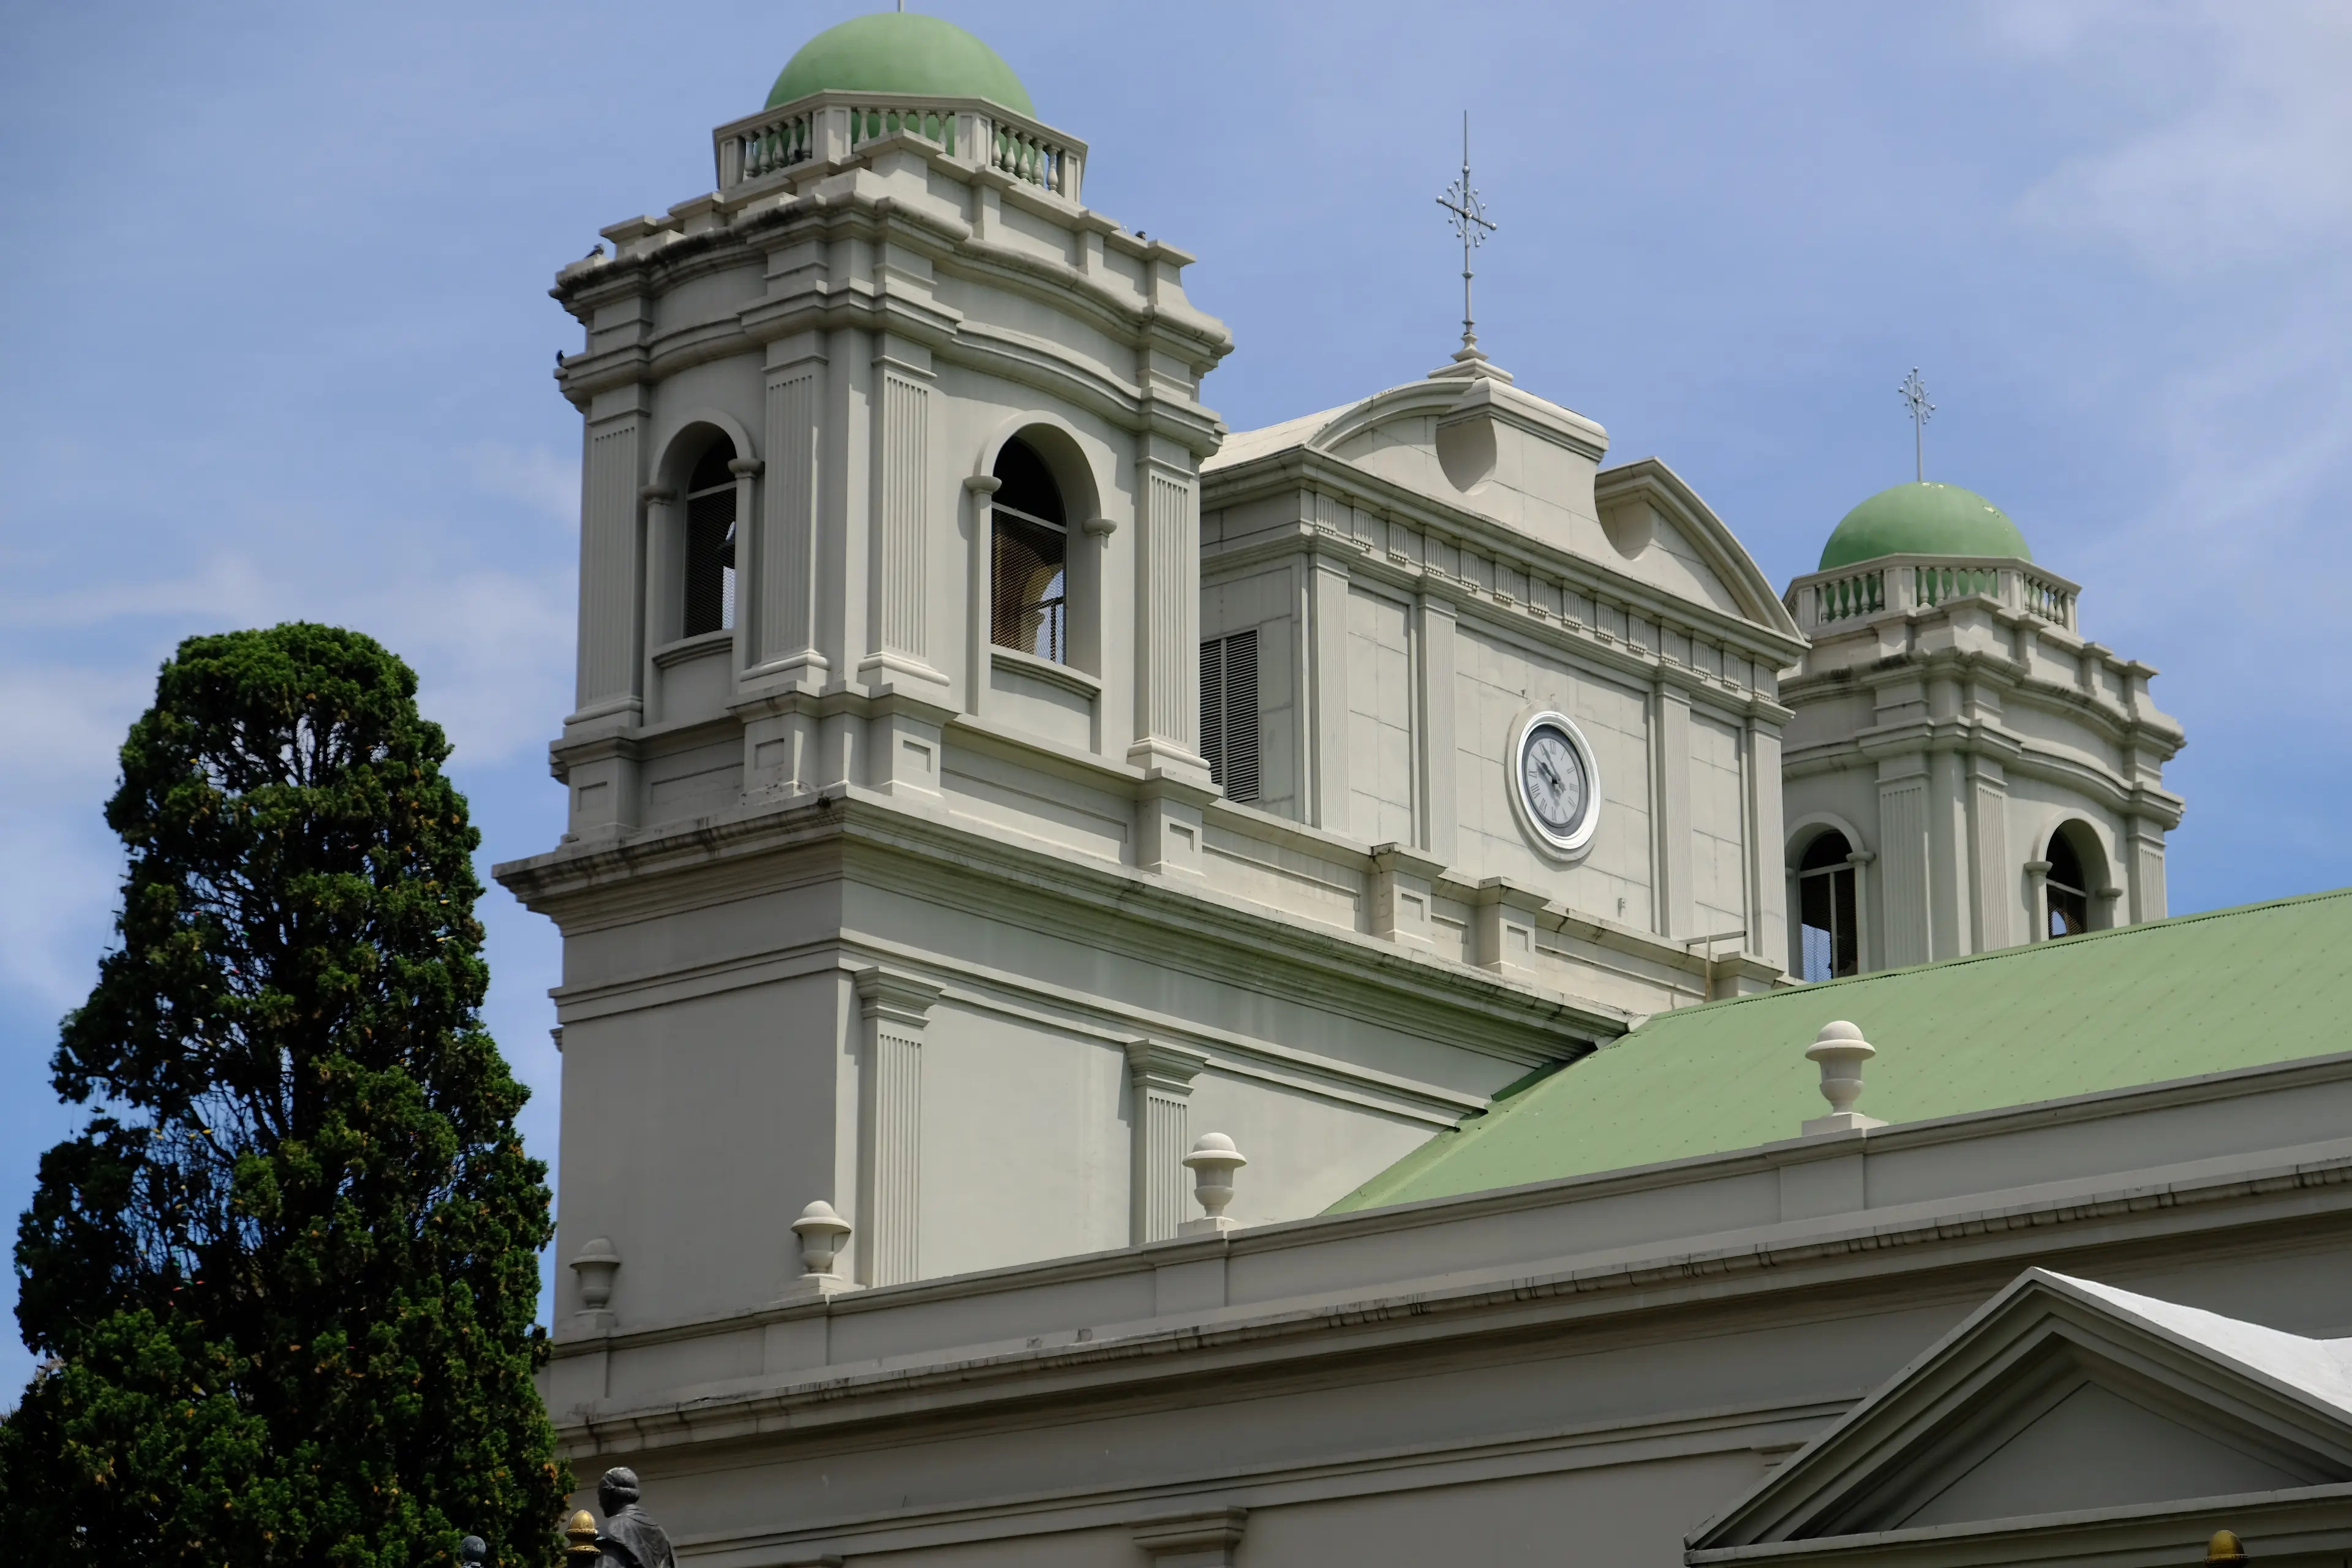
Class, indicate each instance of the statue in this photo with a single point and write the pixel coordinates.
(630, 1535)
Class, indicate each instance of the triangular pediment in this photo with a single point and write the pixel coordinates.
(2059, 1396)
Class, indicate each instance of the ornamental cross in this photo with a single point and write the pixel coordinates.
(1914, 392)
(1471, 224)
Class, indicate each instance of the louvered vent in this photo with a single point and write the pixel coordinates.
(1229, 712)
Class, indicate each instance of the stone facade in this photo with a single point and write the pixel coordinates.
(893, 896)
(1954, 727)
(1032, 852)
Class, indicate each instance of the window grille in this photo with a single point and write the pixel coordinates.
(1829, 935)
(1031, 602)
(710, 541)
(1229, 712)
(2068, 889)
(1029, 557)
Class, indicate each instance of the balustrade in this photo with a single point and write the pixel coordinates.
(1935, 584)
(777, 145)
(832, 126)
(1845, 597)
(1900, 584)
(2046, 599)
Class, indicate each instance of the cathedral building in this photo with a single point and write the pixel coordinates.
(1135, 991)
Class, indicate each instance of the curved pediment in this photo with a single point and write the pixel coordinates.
(1477, 444)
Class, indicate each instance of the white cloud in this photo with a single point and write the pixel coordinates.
(493, 648)
(536, 477)
(2247, 157)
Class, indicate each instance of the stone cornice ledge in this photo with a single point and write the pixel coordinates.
(2273, 1525)
(566, 883)
(1135, 1359)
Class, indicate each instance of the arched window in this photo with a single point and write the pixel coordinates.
(1829, 936)
(1029, 581)
(710, 540)
(2068, 889)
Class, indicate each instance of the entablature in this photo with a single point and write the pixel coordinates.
(1416, 543)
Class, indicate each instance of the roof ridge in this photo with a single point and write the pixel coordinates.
(2020, 950)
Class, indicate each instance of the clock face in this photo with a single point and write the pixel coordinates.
(1554, 776)
(1557, 788)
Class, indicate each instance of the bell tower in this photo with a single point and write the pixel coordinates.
(892, 297)
(1965, 770)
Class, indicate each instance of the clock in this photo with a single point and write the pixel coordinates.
(1556, 785)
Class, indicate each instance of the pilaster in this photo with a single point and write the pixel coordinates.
(1947, 855)
(1327, 690)
(1671, 748)
(1160, 1134)
(1991, 890)
(1433, 728)
(785, 570)
(611, 669)
(1168, 613)
(747, 471)
(980, 567)
(894, 1011)
(899, 632)
(1902, 875)
(1768, 915)
(2144, 848)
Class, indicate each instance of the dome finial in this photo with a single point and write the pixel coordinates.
(1914, 392)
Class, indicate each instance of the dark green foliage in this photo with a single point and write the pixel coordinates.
(285, 1278)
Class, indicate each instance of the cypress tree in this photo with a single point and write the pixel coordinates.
(284, 1278)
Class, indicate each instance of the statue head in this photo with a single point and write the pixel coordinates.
(617, 1491)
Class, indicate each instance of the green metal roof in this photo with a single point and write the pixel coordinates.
(900, 51)
(2112, 1009)
(1923, 518)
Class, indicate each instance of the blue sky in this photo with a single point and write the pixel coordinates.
(279, 342)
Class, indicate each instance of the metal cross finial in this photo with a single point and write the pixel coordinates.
(1472, 224)
(1914, 392)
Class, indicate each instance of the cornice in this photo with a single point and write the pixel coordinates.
(947, 242)
(1641, 665)
(585, 887)
(2017, 754)
(1302, 468)
(2011, 677)
(1888, 1249)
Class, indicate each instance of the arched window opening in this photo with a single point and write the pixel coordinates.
(1829, 935)
(710, 540)
(2068, 889)
(1029, 580)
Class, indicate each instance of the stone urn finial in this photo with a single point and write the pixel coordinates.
(822, 1233)
(597, 1263)
(1213, 1161)
(1841, 1050)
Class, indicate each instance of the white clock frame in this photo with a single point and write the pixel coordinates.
(1575, 842)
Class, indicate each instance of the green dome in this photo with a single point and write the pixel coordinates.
(1924, 519)
(899, 51)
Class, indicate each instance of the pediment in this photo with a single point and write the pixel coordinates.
(1479, 445)
(2061, 1396)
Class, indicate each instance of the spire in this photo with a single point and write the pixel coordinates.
(1471, 224)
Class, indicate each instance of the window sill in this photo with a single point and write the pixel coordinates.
(1047, 670)
(688, 648)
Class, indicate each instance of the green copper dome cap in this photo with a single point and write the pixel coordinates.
(899, 51)
(1924, 519)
